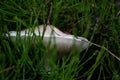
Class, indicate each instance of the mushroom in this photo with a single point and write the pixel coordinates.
(64, 42)
(53, 37)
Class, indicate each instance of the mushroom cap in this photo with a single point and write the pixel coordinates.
(54, 38)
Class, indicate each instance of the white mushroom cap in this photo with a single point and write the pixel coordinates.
(63, 42)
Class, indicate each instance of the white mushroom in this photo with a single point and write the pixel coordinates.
(64, 42)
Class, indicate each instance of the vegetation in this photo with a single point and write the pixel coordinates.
(98, 21)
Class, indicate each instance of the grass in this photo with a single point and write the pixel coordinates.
(23, 60)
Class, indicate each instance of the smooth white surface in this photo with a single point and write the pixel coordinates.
(63, 42)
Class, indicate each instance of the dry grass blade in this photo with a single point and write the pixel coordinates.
(106, 50)
(7, 69)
